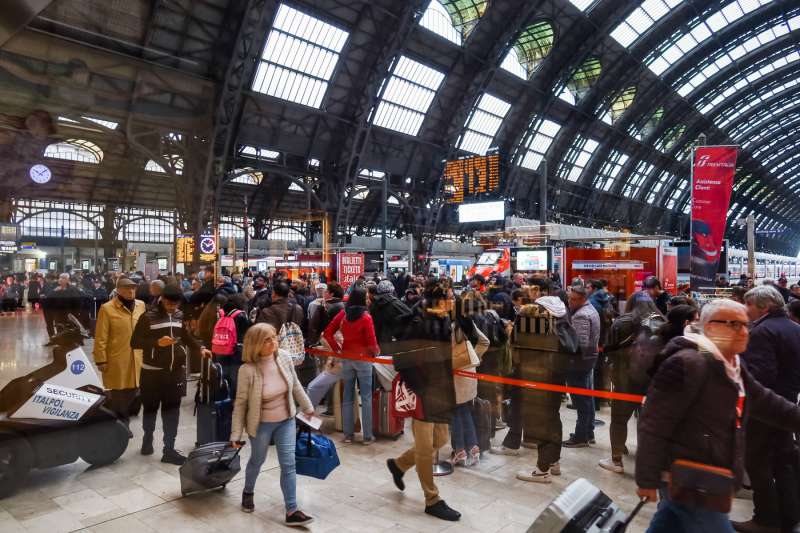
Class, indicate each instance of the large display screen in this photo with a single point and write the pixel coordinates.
(532, 260)
(471, 176)
(482, 212)
(488, 259)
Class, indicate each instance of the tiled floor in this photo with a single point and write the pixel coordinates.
(139, 494)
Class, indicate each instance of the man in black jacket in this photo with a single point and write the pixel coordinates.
(163, 337)
(389, 314)
(773, 358)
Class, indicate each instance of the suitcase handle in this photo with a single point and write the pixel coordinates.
(241, 444)
(624, 526)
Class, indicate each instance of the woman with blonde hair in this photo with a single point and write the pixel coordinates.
(267, 390)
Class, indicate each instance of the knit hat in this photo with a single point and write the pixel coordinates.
(385, 287)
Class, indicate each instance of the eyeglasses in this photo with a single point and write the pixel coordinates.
(735, 325)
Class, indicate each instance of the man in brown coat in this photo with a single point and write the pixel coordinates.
(113, 355)
(282, 310)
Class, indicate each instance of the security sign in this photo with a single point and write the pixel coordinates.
(53, 402)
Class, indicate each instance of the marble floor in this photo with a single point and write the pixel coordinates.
(140, 494)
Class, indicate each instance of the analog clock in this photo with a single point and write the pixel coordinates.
(40, 173)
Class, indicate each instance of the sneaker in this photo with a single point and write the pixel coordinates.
(367, 442)
(598, 422)
(247, 502)
(555, 469)
(147, 445)
(173, 457)
(397, 474)
(499, 424)
(591, 439)
(612, 466)
(502, 450)
(535, 476)
(347, 440)
(298, 519)
(572, 443)
(459, 458)
(443, 511)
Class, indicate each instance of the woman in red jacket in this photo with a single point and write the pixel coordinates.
(358, 334)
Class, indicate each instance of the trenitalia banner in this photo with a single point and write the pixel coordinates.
(712, 182)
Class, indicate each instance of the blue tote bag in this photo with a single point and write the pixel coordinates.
(315, 455)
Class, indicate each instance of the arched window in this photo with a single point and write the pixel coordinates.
(453, 19)
(78, 150)
(530, 49)
(247, 176)
(584, 77)
(175, 162)
(622, 103)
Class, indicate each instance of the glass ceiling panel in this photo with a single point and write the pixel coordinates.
(752, 100)
(299, 57)
(482, 126)
(641, 20)
(676, 193)
(583, 5)
(539, 143)
(611, 169)
(584, 77)
(578, 156)
(408, 94)
(530, 49)
(700, 29)
(663, 179)
(642, 170)
(79, 150)
(437, 19)
(622, 103)
(757, 120)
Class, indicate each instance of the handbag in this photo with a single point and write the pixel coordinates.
(333, 365)
(702, 486)
(315, 455)
(404, 402)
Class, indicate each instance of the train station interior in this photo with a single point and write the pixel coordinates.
(494, 230)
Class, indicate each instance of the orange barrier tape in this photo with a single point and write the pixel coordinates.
(635, 398)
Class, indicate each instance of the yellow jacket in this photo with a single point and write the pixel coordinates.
(112, 344)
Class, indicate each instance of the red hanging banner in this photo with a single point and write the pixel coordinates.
(712, 182)
(350, 266)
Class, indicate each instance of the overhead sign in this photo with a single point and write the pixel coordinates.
(481, 212)
(208, 248)
(8, 247)
(713, 169)
(184, 249)
(607, 265)
(471, 176)
(302, 264)
(9, 232)
(54, 402)
(350, 266)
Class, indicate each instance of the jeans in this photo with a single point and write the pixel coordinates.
(320, 386)
(363, 371)
(463, 435)
(672, 517)
(584, 428)
(284, 434)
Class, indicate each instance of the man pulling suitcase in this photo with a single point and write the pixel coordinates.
(164, 338)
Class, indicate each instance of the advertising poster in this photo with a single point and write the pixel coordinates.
(349, 267)
(712, 182)
(669, 269)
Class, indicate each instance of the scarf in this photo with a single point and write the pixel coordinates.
(732, 368)
(129, 304)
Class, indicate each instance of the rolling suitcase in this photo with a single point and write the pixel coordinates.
(383, 424)
(213, 405)
(209, 466)
(583, 508)
(484, 422)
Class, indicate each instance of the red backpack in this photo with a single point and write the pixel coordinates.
(224, 340)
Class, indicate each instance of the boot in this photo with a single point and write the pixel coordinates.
(173, 457)
(147, 444)
(247, 502)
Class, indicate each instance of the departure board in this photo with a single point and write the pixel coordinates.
(471, 176)
(184, 249)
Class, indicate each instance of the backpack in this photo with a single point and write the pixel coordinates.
(568, 342)
(492, 326)
(290, 340)
(223, 341)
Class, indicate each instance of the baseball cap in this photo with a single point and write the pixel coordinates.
(125, 282)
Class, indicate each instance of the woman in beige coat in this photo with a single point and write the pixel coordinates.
(266, 393)
(117, 361)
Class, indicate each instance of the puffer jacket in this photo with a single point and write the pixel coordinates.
(153, 325)
(586, 322)
(690, 413)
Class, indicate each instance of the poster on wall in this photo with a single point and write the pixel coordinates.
(713, 169)
(349, 267)
(669, 269)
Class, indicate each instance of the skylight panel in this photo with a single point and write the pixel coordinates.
(676, 193)
(295, 187)
(437, 19)
(583, 5)
(511, 64)
(259, 153)
(78, 150)
(578, 156)
(482, 126)
(152, 166)
(539, 143)
(663, 179)
(642, 170)
(105, 123)
(610, 170)
(641, 20)
(299, 57)
(247, 176)
(408, 94)
(531, 47)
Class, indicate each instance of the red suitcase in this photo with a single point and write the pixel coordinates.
(383, 424)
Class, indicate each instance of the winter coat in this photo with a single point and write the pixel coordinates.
(112, 344)
(586, 322)
(280, 312)
(358, 335)
(153, 325)
(389, 315)
(247, 406)
(691, 413)
(773, 354)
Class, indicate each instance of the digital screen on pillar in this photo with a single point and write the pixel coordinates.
(481, 212)
(470, 177)
(529, 260)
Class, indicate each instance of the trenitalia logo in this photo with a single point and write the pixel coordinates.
(703, 161)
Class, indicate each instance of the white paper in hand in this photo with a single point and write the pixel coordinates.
(314, 421)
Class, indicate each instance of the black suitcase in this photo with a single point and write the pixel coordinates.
(484, 422)
(583, 508)
(209, 466)
(213, 405)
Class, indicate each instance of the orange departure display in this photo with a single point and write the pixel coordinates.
(471, 176)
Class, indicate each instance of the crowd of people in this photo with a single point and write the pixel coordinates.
(715, 378)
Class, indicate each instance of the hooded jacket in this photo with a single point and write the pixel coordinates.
(691, 413)
(389, 315)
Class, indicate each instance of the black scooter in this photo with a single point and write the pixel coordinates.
(56, 414)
